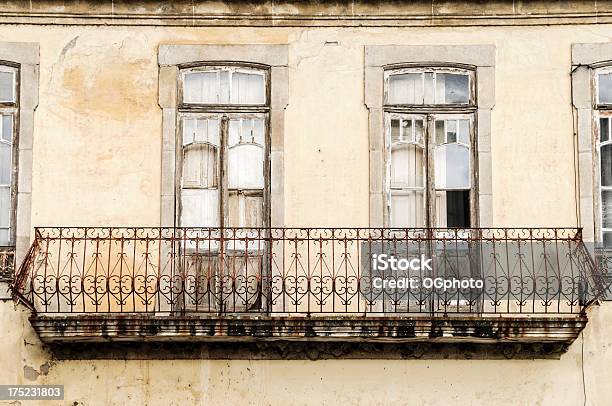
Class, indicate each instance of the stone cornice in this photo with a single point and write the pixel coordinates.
(307, 13)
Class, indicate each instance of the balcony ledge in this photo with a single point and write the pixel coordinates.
(115, 287)
(456, 329)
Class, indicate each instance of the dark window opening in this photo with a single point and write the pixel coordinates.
(458, 208)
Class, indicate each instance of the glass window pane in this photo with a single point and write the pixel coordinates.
(428, 93)
(200, 208)
(407, 131)
(213, 131)
(258, 131)
(209, 166)
(5, 236)
(419, 131)
(395, 130)
(200, 166)
(210, 90)
(606, 165)
(201, 130)
(405, 88)
(440, 132)
(451, 131)
(607, 239)
(455, 131)
(604, 129)
(452, 166)
(245, 167)
(605, 88)
(606, 208)
(407, 167)
(248, 88)
(407, 209)
(235, 127)
(201, 87)
(452, 88)
(464, 131)
(5, 164)
(245, 209)
(188, 130)
(192, 88)
(7, 86)
(5, 206)
(224, 87)
(420, 88)
(247, 131)
(7, 127)
(453, 208)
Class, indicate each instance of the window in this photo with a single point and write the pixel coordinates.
(217, 166)
(429, 127)
(8, 153)
(603, 105)
(223, 163)
(224, 134)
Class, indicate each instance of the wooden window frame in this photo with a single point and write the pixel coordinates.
(12, 108)
(224, 112)
(397, 69)
(430, 112)
(601, 110)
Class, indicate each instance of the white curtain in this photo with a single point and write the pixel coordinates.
(248, 88)
(406, 88)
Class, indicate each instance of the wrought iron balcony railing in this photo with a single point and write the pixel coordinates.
(307, 271)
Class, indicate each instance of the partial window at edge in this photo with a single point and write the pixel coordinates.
(8, 110)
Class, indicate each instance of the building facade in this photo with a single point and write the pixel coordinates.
(192, 195)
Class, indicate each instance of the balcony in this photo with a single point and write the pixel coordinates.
(484, 286)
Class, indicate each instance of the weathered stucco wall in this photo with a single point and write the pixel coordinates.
(98, 125)
(97, 162)
(324, 382)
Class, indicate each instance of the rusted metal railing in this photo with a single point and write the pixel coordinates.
(308, 271)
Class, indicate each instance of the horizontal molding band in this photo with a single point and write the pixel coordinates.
(302, 20)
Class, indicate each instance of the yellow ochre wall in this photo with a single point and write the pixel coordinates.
(97, 136)
(97, 153)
